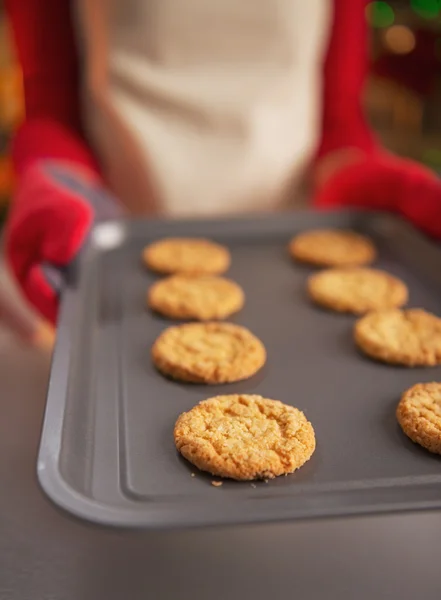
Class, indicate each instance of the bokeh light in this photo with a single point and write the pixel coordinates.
(380, 14)
(399, 39)
(428, 9)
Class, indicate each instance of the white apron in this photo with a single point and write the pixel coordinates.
(203, 107)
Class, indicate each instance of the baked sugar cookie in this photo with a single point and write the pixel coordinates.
(192, 256)
(245, 437)
(203, 298)
(403, 337)
(357, 290)
(332, 248)
(208, 353)
(419, 415)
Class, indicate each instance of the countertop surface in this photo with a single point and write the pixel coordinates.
(45, 554)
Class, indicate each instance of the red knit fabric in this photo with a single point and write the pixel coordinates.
(386, 182)
(345, 71)
(45, 46)
(48, 226)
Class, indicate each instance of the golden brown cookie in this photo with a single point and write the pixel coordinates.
(332, 248)
(419, 414)
(357, 290)
(192, 256)
(208, 353)
(403, 337)
(245, 437)
(203, 298)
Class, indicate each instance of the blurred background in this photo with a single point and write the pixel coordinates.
(11, 110)
(403, 96)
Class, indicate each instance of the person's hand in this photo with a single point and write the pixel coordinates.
(53, 210)
(385, 182)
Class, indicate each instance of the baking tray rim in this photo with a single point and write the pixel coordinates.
(140, 516)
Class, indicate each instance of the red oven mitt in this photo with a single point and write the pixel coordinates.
(54, 208)
(386, 182)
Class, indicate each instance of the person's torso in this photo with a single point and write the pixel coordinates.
(206, 107)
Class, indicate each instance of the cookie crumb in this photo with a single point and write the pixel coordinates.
(266, 480)
(217, 483)
(193, 475)
(253, 485)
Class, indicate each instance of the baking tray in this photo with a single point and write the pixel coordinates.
(107, 451)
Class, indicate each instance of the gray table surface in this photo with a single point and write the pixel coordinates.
(45, 555)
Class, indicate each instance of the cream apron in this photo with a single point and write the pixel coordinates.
(203, 107)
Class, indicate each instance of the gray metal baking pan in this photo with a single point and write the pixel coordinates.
(107, 452)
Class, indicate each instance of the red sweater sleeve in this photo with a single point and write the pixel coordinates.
(345, 71)
(45, 47)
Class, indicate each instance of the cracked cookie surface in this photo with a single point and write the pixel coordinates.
(203, 298)
(194, 256)
(245, 437)
(403, 337)
(357, 290)
(208, 353)
(419, 415)
(332, 248)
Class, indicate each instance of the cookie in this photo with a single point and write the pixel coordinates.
(419, 415)
(357, 290)
(187, 255)
(203, 298)
(208, 353)
(332, 248)
(245, 437)
(403, 337)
